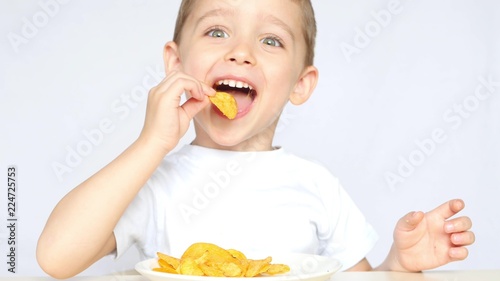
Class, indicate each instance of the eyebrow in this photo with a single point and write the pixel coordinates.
(281, 24)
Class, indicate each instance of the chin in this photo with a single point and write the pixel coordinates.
(216, 137)
(229, 142)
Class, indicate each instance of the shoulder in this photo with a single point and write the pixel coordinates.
(311, 173)
(308, 165)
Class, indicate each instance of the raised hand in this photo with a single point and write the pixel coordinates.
(166, 119)
(428, 240)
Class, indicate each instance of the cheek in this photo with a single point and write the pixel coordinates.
(197, 62)
(282, 81)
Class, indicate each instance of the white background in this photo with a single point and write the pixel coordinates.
(71, 68)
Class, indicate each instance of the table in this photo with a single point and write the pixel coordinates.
(469, 275)
(479, 275)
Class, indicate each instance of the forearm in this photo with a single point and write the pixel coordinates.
(84, 219)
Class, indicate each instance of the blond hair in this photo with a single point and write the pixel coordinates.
(308, 25)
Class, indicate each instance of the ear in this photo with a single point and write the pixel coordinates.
(171, 57)
(305, 85)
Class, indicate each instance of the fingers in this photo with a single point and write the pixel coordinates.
(458, 253)
(459, 229)
(458, 225)
(167, 119)
(463, 238)
(177, 83)
(450, 208)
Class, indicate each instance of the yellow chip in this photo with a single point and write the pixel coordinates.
(173, 262)
(164, 264)
(230, 269)
(214, 253)
(211, 271)
(225, 103)
(242, 258)
(165, 269)
(237, 254)
(256, 267)
(277, 269)
(189, 266)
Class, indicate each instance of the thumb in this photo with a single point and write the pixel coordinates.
(410, 221)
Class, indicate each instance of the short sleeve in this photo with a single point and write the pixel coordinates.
(349, 237)
(136, 224)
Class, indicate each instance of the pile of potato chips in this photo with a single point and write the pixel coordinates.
(205, 259)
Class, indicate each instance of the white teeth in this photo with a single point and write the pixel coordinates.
(234, 84)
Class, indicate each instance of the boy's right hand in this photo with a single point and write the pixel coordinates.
(166, 119)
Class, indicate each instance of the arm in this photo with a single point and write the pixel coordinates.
(363, 265)
(82, 223)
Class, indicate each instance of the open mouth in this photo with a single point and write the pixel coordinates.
(243, 93)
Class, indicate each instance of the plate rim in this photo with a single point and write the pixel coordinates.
(140, 267)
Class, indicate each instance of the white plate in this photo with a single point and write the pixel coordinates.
(302, 267)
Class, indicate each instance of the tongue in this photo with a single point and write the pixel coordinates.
(243, 100)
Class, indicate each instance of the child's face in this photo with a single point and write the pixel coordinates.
(257, 48)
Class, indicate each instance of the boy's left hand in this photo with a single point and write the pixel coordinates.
(426, 241)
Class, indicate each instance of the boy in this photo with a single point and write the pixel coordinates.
(230, 186)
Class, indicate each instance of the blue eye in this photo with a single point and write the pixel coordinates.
(271, 41)
(217, 33)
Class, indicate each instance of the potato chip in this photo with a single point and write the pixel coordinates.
(165, 269)
(242, 258)
(206, 259)
(189, 266)
(225, 103)
(211, 270)
(215, 254)
(277, 269)
(256, 267)
(230, 269)
(237, 254)
(164, 264)
(173, 262)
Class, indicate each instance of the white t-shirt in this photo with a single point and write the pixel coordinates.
(267, 202)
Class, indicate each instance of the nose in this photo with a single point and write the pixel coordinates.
(241, 54)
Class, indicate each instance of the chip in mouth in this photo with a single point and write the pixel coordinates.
(242, 92)
(225, 103)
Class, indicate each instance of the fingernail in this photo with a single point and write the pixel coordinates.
(449, 227)
(455, 239)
